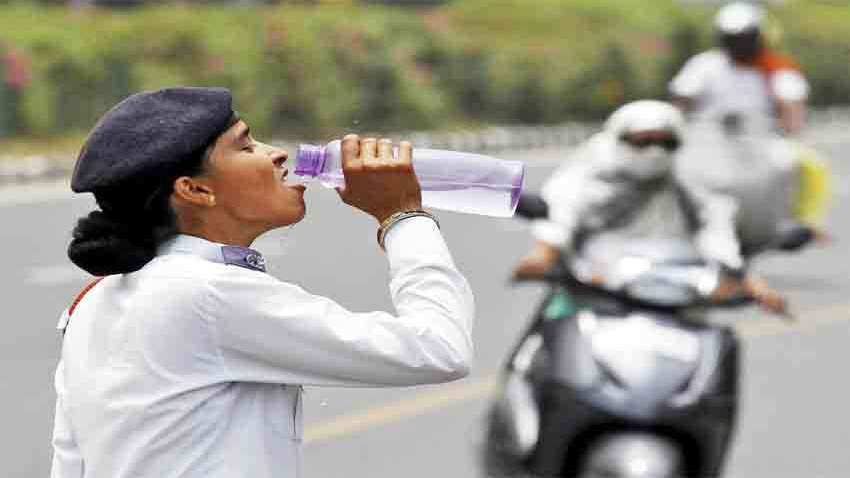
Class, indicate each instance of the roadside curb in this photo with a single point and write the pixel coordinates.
(30, 169)
(823, 124)
(17, 170)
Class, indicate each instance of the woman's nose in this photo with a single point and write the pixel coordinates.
(278, 156)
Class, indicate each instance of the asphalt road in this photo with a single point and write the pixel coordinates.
(793, 423)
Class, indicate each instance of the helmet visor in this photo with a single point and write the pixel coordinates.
(742, 46)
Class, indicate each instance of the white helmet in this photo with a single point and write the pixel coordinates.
(650, 160)
(645, 115)
(738, 17)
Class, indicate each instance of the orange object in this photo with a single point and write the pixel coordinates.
(769, 62)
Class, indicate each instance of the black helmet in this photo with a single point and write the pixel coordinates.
(738, 28)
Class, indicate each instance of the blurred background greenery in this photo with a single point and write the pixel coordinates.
(318, 68)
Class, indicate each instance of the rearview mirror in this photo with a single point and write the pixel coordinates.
(532, 206)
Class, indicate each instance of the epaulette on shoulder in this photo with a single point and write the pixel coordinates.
(82, 294)
(66, 316)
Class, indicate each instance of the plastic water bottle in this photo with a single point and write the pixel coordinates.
(450, 180)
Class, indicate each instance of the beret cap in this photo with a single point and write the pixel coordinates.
(150, 134)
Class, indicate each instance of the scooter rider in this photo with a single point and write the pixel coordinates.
(743, 80)
(743, 86)
(621, 182)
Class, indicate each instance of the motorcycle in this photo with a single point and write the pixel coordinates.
(766, 174)
(619, 374)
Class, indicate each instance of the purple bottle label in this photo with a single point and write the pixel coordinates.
(310, 160)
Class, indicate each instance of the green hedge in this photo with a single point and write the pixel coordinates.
(320, 70)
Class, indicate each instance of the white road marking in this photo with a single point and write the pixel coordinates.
(273, 244)
(46, 276)
(35, 193)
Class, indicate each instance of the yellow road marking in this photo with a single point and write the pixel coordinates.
(807, 321)
(483, 388)
(372, 417)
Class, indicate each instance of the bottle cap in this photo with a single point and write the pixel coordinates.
(309, 160)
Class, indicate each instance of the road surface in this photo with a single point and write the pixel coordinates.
(793, 424)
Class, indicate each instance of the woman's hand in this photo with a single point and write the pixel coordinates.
(376, 182)
(535, 264)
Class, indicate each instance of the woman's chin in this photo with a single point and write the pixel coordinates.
(301, 216)
(293, 206)
(292, 216)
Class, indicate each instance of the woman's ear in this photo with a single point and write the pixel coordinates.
(190, 191)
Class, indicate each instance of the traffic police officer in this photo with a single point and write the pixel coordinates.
(186, 359)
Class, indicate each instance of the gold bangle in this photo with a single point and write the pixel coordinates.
(397, 217)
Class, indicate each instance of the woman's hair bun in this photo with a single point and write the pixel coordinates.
(103, 246)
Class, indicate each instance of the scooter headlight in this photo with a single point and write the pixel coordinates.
(674, 286)
(656, 290)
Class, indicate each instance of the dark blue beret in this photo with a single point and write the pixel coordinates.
(149, 134)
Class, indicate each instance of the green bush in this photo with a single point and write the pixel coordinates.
(322, 68)
(818, 36)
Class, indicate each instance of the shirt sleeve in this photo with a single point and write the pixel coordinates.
(67, 459)
(790, 85)
(716, 238)
(568, 194)
(690, 81)
(272, 331)
(561, 195)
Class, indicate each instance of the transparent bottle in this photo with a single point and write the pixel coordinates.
(450, 180)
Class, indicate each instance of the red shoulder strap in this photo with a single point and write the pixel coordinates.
(82, 294)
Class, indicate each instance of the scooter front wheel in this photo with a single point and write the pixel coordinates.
(633, 455)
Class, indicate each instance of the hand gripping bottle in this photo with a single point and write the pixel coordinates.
(450, 180)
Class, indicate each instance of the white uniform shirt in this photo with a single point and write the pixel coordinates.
(720, 87)
(191, 367)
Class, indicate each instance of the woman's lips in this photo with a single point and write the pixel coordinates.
(294, 185)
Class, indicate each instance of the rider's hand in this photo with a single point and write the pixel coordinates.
(376, 182)
(766, 297)
(822, 237)
(535, 264)
(791, 117)
(728, 288)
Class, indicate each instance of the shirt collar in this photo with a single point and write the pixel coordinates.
(215, 252)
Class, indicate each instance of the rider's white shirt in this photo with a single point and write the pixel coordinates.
(719, 86)
(578, 195)
(193, 368)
